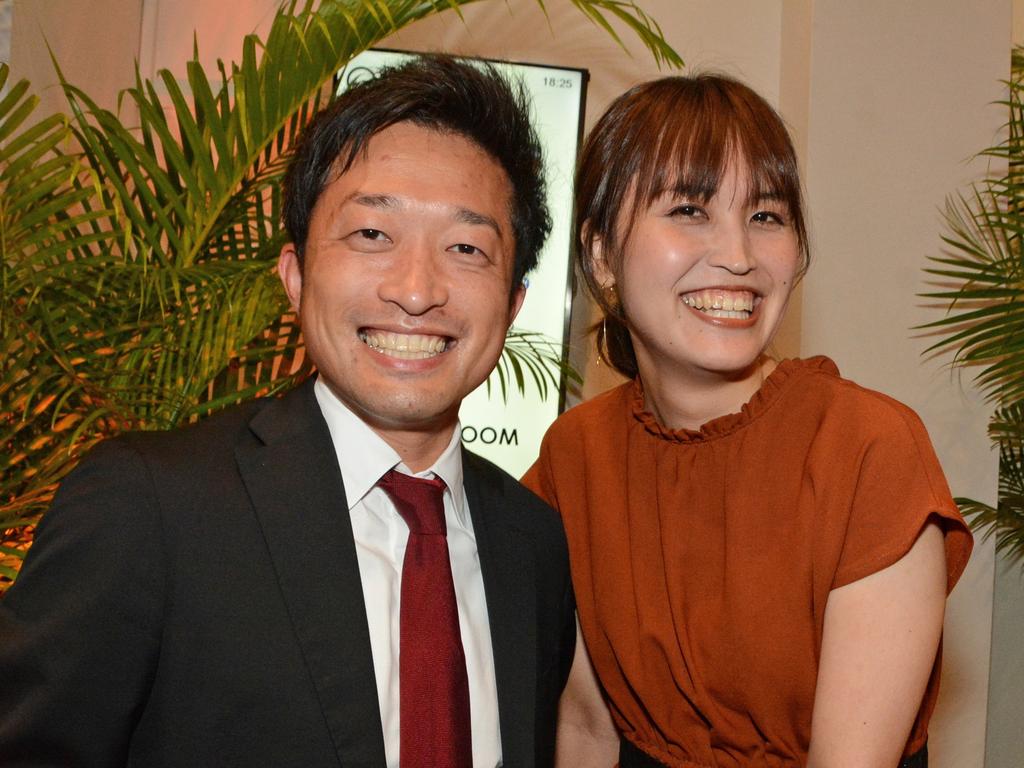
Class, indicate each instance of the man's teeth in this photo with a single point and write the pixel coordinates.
(406, 346)
(730, 304)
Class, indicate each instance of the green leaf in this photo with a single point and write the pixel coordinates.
(981, 283)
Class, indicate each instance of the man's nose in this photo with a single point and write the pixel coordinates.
(732, 251)
(416, 281)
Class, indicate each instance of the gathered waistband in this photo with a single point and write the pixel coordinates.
(631, 756)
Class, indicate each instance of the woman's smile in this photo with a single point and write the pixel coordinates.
(705, 283)
(722, 303)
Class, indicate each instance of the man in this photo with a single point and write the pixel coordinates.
(232, 593)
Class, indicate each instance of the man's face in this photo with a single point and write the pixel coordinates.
(404, 297)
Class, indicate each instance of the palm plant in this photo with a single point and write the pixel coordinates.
(45, 221)
(983, 288)
(138, 288)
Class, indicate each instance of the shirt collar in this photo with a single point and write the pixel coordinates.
(364, 456)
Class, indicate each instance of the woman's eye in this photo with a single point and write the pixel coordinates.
(686, 211)
(768, 217)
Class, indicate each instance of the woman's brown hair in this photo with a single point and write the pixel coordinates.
(676, 134)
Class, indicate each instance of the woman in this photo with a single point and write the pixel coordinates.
(761, 551)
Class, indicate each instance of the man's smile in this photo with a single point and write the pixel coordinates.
(405, 346)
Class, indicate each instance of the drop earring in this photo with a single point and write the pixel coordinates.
(611, 306)
(610, 298)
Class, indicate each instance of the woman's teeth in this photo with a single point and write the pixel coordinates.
(737, 305)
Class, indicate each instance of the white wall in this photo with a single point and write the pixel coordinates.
(887, 101)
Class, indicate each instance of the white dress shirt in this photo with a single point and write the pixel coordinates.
(380, 535)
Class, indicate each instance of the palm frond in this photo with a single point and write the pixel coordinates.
(534, 358)
(1005, 521)
(630, 14)
(46, 217)
(981, 283)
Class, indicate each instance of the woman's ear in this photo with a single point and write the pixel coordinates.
(599, 268)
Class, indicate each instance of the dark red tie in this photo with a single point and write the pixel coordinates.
(433, 686)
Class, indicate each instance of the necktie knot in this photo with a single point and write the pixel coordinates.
(418, 500)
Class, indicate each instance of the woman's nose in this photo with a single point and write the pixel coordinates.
(732, 252)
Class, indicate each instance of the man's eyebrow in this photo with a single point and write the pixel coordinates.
(390, 202)
(382, 202)
(467, 216)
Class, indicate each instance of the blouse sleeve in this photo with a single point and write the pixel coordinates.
(539, 477)
(898, 488)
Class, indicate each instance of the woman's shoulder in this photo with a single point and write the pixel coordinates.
(876, 472)
(598, 413)
(869, 442)
(573, 438)
(836, 402)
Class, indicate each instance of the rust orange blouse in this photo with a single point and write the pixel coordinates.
(702, 560)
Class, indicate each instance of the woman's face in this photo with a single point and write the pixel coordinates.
(704, 285)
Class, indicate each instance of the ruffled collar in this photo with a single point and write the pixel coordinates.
(778, 380)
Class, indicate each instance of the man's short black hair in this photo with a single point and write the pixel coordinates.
(441, 93)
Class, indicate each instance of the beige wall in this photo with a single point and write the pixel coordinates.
(887, 102)
(168, 32)
(95, 41)
(900, 99)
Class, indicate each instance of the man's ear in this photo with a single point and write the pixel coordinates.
(290, 271)
(517, 303)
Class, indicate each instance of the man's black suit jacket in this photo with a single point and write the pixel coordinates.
(193, 599)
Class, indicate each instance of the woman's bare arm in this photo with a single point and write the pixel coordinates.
(880, 638)
(586, 735)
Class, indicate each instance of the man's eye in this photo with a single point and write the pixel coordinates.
(368, 240)
(467, 249)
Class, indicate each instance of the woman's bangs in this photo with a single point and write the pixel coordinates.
(772, 171)
(689, 161)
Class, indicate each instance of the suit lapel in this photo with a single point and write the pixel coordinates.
(506, 562)
(292, 476)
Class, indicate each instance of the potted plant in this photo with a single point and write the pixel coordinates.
(982, 278)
